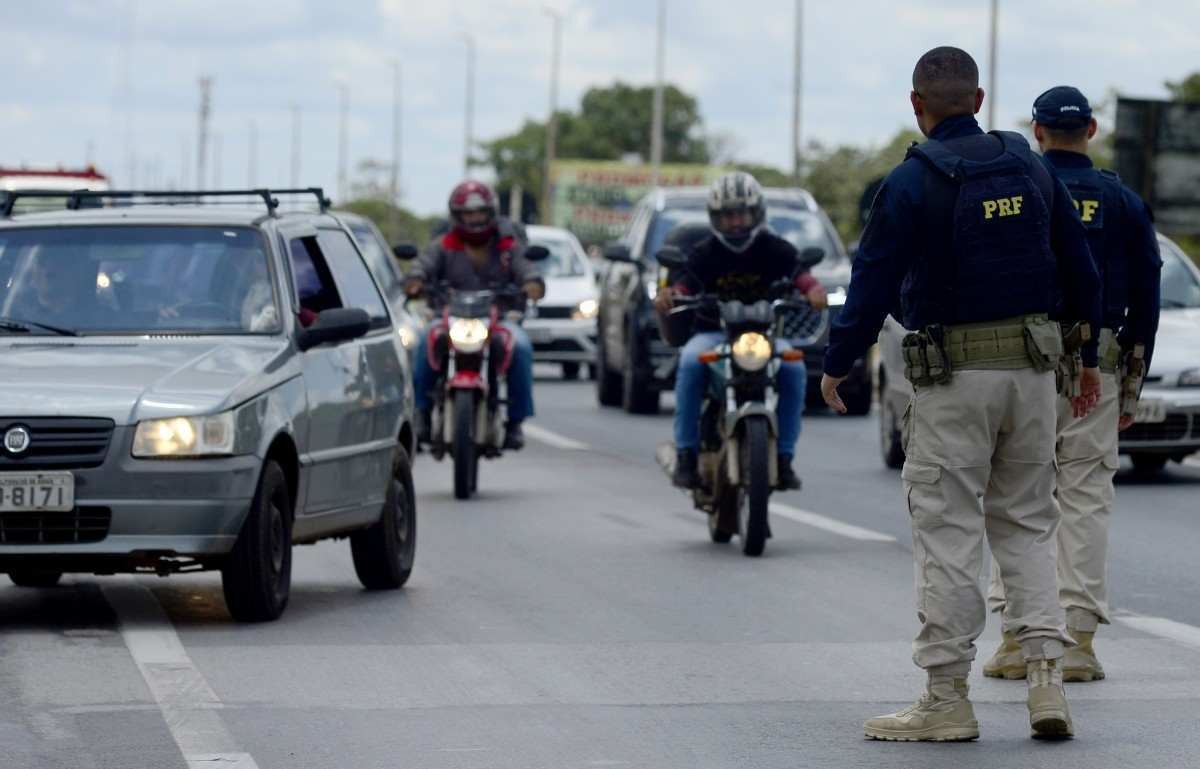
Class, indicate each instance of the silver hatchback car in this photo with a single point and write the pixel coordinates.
(191, 387)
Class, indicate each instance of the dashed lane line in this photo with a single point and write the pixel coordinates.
(553, 439)
(831, 525)
(189, 705)
(1188, 635)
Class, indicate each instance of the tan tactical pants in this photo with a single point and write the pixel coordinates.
(1087, 461)
(980, 457)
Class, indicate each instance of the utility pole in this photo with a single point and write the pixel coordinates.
(797, 84)
(556, 19)
(656, 129)
(252, 161)
(343, 140)
(394, 187)
(295, 145)
(202, 130)
(991, 91)
(185, 162)
(469, 118)
(216, 140)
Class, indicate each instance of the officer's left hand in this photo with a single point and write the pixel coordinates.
(1089, 393)
(534, 290)
(829, 385)
(817, 297)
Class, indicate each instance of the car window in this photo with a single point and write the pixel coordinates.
(1178, 284)
(353, 280)
(139, 279)
(313, 282)
(565, 261)
(378, 259)
(800, 227)
(668, 220)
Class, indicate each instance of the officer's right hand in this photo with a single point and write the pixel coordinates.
(664, 300)
(829, 386)
(414, 287)
(1089, 392)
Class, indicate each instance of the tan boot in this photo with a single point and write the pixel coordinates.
(943, 714)
(1049, 715)
(1008, 661)
(1080, 663)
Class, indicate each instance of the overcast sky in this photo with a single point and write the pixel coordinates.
(65, 92)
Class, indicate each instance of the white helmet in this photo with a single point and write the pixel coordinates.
(737, 191)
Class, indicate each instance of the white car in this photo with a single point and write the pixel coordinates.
(1168, 417)
(563, 328)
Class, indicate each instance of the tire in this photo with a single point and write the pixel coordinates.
(1148, 464)
(383, 553)
(638, 394)
(32, 578)
(890, 448)
(608, 384)
(570, 371)
(465, 455)
(257, 575)
(592, 371)
(858, 403)
(756, 479)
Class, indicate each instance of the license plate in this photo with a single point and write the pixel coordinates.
(1151, 411)
(31, 492)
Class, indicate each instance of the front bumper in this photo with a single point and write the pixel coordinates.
(562, 340)
(166, 507)
(1177, 435)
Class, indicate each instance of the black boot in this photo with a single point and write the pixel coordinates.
(686, 476)
(514, 437)
(788, 480)
(424, 426)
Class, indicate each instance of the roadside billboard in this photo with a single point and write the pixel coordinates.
(595, 199)
(1158, 156)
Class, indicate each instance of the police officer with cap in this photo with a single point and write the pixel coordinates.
(968, 242)
(1124, 246)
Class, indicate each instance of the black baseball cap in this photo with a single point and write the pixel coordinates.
(1062, 107)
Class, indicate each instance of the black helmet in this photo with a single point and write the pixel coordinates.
(737, 191)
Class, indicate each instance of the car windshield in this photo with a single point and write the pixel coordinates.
(564, 261)
(136, 280)
(799, 227)
(1179, 286)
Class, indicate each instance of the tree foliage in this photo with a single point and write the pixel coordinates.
(1187, 89)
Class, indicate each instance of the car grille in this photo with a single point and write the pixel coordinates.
(83, 524)
(555, 313)
(558, 345)
(58, 442)
(1175, 428)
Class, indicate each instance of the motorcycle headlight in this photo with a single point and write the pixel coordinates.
(1190, 378)
(586, 310)
(210, 436)
(751, 351)
(652, 289)
(468, 334)
(837, 297)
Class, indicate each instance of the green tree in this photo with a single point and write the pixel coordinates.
(397, 224)
(1187, 89)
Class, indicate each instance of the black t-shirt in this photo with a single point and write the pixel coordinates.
(746, 277)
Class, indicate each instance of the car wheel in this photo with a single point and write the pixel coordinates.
(32, 578)
(1148, 464)
(383, 553)
(608, 384)
(638, 394)
(890, 447)
(858, 400)
(570, 371)
(257, 574)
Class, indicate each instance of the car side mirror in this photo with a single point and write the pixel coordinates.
(405, 252)
(672, 257)
(337, 325)
(537, 253)
(618, 252)
(812, 256)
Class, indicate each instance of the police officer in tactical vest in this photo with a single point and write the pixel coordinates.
(1125, 249)
(969, 243)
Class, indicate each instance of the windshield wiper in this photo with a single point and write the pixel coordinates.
(15, 324)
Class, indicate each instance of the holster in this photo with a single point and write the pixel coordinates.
(926, 361)
(1133, 373)
(1069, 372)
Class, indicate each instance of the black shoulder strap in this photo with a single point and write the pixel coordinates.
(1110, 175)
(940, 157)
(1015, 144)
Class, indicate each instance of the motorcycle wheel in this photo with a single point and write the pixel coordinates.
(756, 481)
(465, 455)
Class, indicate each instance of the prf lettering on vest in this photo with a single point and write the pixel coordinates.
(1003, 206)
(1087, 209)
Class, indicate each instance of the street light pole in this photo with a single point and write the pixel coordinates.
(796, 91)
(469, 118)
(656, 129)
(343, 139)
(991, 92)
(295, 145)
(552, 121)
(394, 187)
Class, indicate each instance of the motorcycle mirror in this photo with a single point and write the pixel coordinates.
(812, 256)
(671, 256)
(537, 253)
(405, 252)
(617, 252)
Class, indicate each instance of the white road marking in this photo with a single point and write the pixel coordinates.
(189, 706)
(1163, 628)
(828, 524)
(553, 439)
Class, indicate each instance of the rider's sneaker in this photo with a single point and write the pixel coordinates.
(687, 474)
(1008, 661)
(788, 480)
(424, 426)
(943, 714)
(1049, 716)
(514, 437)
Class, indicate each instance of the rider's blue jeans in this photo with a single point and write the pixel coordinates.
(691, 382)
(520, 375)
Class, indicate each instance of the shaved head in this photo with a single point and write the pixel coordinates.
(947, 80)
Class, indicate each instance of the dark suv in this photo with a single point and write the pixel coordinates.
(633, 363)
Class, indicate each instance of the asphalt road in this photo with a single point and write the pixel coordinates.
(575, 615)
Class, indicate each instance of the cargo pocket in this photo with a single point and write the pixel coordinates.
(923, 493)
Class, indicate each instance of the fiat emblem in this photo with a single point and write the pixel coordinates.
(16, 440)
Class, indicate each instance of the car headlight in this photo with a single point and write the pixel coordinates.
(751, 351)
(1190, 378)
(652, 289)
(837, 297)
(586, 310)
(209, 436)
(468, 334)
(408, 336)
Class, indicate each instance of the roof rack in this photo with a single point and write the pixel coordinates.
(75, 198)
